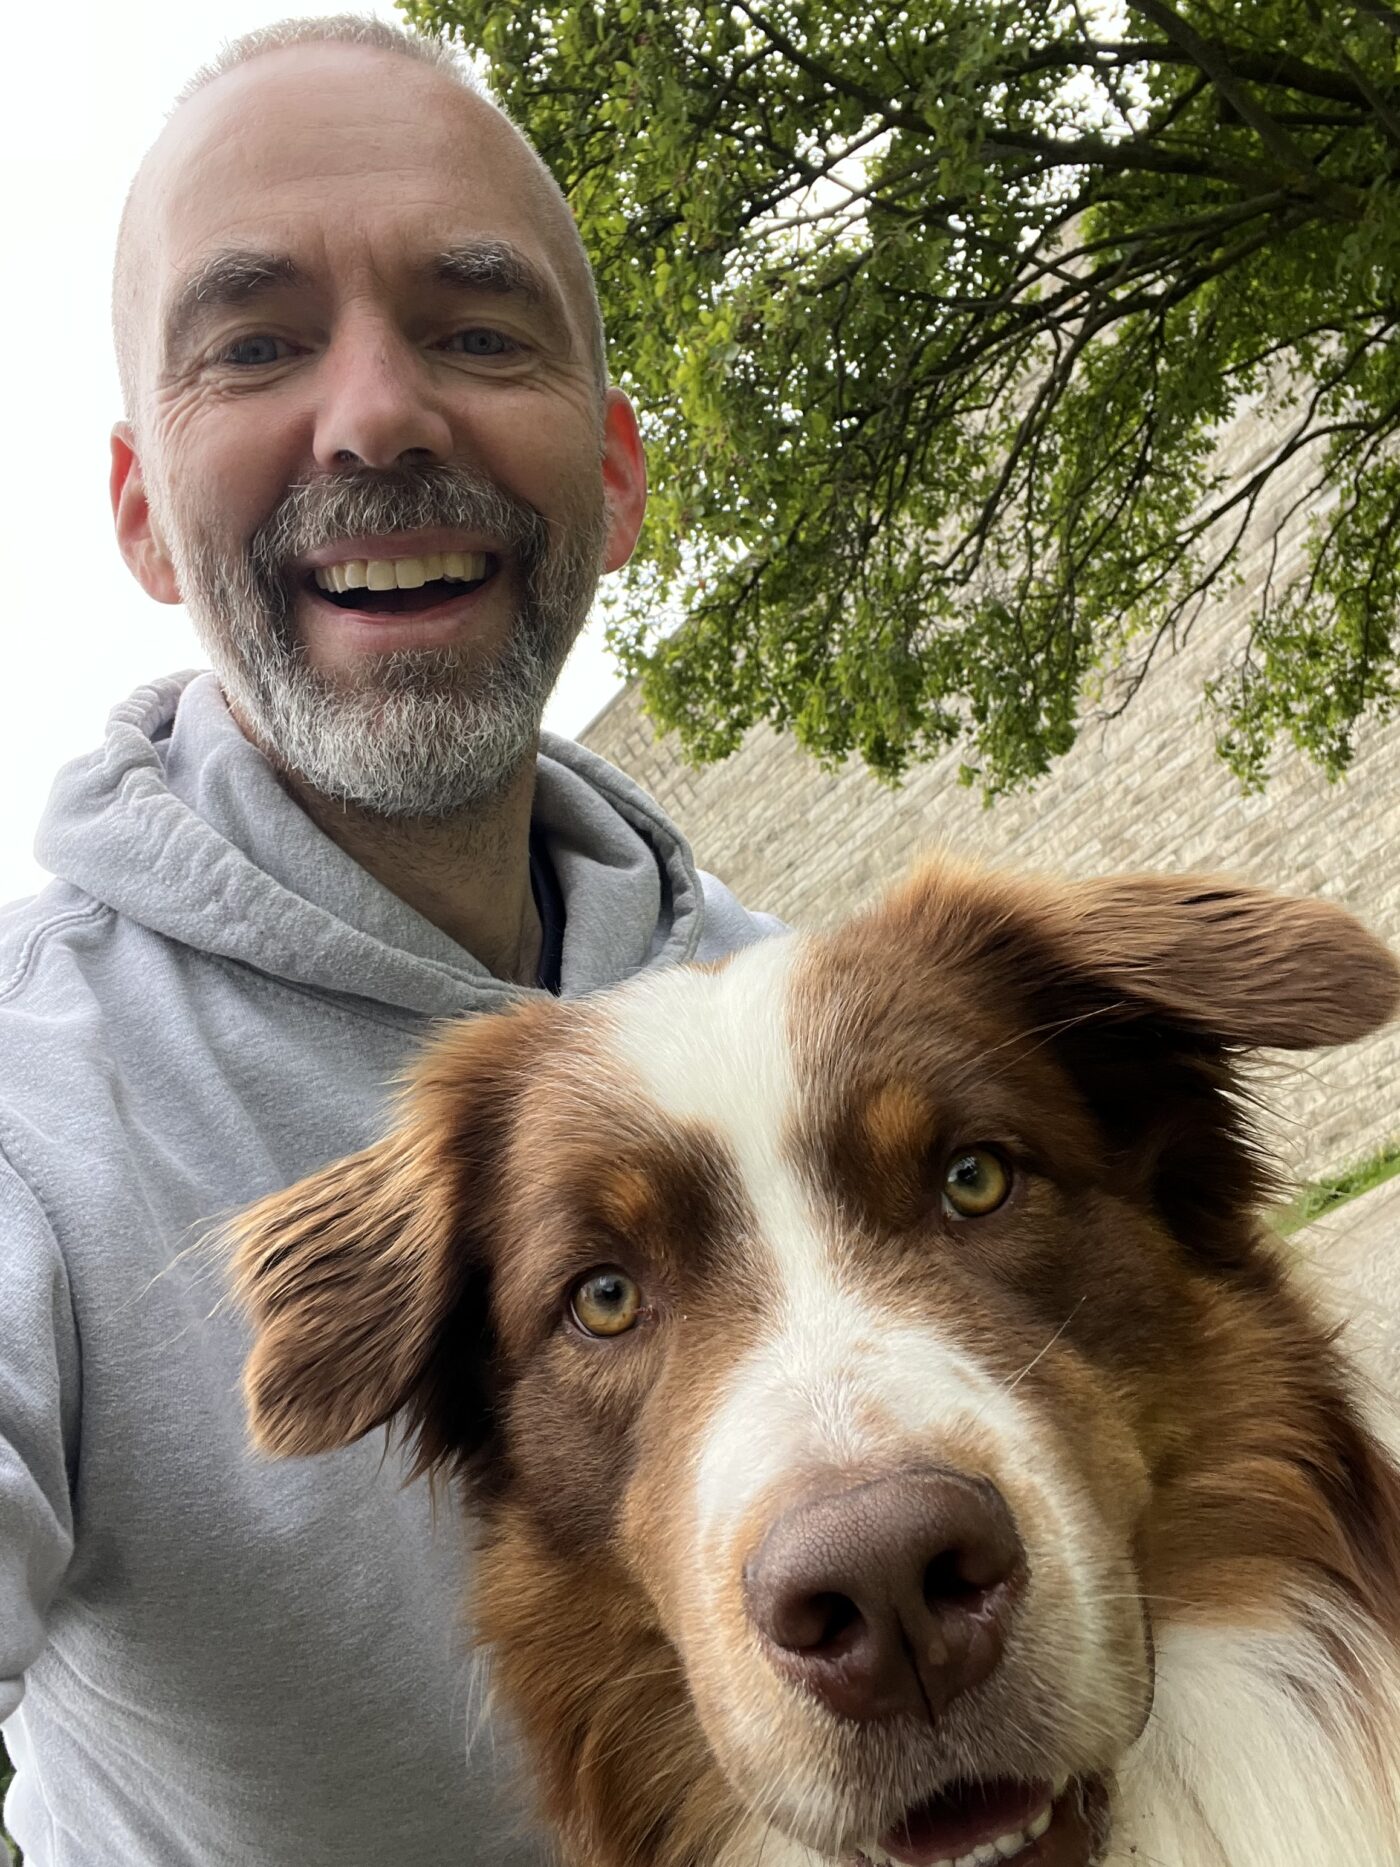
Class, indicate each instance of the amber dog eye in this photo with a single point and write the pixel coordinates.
(975, 1182)
(605, 1302)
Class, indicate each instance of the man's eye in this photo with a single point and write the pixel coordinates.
(480, 341)
(249, 352)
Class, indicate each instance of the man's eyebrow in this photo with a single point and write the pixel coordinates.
(229, 277)
(498, 267)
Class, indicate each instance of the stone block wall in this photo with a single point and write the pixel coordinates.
(1145, 791)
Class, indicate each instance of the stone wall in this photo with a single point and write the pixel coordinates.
(1146, 791)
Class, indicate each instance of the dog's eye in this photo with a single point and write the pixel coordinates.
(975, 1181)
(605, 1302)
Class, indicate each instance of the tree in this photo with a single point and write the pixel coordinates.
(936, 307)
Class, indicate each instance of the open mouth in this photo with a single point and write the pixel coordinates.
(978, 1824)
(404, 587)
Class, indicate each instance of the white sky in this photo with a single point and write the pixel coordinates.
(83, 102)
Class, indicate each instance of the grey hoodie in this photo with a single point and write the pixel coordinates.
(206, 1657)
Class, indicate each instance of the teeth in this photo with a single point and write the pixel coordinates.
(402, 573)
(1006, 1847)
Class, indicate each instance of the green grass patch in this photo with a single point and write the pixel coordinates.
(1319, 1197)
(5, 1842)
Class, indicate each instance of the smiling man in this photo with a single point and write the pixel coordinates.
(370, 443)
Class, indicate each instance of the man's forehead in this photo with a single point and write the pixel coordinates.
(274, 145)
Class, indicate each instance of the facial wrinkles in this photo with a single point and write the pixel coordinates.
(405, 154)
(259, 161)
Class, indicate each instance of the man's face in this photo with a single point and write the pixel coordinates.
(364, 342)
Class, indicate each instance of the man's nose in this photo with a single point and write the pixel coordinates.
(380, 404)
(892, 1596)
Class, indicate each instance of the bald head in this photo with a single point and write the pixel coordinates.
(308, 101)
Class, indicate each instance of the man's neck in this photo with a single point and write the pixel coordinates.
(468, 875)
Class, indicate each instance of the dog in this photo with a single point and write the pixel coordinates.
(895, 1436)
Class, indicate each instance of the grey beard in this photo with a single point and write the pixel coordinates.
(422, 734)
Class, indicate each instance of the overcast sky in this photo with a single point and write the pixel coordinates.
(85, 97)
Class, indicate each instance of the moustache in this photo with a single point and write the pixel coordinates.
(321, 512)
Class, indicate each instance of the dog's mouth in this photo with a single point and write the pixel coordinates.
(1026, 1824)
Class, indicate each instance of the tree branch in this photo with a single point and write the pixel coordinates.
(1276, 70)
(1213, 62)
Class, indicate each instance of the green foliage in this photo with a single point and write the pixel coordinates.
(934, 309)
(1320, 1197)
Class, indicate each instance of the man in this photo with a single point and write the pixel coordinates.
(370, 443)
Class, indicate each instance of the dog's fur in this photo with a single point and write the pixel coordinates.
(1208, 1641)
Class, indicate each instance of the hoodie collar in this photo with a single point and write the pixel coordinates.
(178, 822)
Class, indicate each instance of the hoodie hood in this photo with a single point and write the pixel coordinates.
(179, 823)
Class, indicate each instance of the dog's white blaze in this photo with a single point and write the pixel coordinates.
(836, 1378)
(837, 1382)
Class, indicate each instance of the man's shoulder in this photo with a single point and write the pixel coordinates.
(728, 925)
(44, 938)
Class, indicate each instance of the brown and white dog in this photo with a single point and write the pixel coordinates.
(894, 1434)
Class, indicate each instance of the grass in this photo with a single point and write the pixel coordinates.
(1319, 1197)
(5, 1774)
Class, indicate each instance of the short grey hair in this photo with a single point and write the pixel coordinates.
(333, 29)
(338, 29)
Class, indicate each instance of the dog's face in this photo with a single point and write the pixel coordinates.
(852, 1349)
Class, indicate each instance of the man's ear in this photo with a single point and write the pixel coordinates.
(624, 480)
(368, 1283)
(139, 538)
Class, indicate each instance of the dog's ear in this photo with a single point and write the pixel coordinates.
(368, 1283)
(1235, 965)
(1147, 988)
(1163, 983)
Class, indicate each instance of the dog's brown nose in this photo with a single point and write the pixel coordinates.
(893, 1596)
